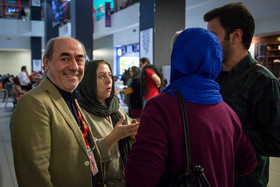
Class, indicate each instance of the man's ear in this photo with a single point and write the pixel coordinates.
(45, 63)
(236, 36)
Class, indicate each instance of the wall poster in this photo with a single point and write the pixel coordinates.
(146, 44)
(37, 65)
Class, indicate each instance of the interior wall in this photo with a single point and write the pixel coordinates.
(7, 42)
(103, 49)
(266, 13)
(122, 20)
(16, 42)
(11, 61)
(125, 37)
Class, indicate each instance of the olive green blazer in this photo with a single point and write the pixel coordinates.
(48, 146)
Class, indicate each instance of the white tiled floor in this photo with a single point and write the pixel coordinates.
(7, 173)
(274, 172)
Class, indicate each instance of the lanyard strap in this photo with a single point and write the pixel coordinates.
(85, 125)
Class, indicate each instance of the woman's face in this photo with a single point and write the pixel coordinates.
(104, 82)
(131, 73)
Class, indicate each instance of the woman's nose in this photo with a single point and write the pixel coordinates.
(108, 79)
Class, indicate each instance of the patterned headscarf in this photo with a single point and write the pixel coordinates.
(89, 101)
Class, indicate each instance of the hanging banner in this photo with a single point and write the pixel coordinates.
(3, 8)
(107, 14)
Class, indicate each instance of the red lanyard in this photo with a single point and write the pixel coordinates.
(85, 125)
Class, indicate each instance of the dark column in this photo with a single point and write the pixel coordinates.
(165, 17)
(50, 31)
(146, 14)
(35, 13)
(169, 18)
(36, 42)
(36, 53)
(146, 28)
(82, 23)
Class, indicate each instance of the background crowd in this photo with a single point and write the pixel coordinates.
(16, 86)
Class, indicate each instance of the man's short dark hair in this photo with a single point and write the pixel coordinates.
(145, 59)
(234, 16)
(23, 68)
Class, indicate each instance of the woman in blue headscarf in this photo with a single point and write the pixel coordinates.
(216, 139)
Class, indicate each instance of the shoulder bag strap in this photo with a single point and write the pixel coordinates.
(239, 79)
(185, 125)
(197, 169)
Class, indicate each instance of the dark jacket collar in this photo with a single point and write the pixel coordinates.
(70, 96)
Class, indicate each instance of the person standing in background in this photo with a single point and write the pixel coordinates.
(150, 81)
(133, 91)
(9, 79)
(22, 14)
(17, 89)
(24, 79)
(256, 97)
(51, 140)
(35, 78)
(126, 98)
(8, 85)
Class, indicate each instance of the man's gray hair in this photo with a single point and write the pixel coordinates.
(49, 47)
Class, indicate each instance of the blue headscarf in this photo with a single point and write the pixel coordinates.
(196, 61)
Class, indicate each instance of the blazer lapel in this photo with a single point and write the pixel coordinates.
(62, 107)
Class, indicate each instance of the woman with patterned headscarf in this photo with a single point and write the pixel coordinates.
(110, 125)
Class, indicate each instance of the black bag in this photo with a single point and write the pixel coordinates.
(191, 177)
(143, 88)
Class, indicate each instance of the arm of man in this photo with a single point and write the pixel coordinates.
(154, 76)
(31, 142)
(156, 80)
(265, 134)
(245, 154)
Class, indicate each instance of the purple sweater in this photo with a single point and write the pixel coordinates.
(216, 143)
